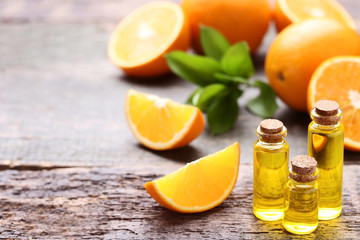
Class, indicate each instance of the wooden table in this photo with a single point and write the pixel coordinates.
(70, 166)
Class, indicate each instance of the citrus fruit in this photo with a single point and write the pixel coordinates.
(139, 41)
(245, 20)
(160, 123)
(299, 49)
(319, 142)
(291, 11)
(338, 79)
(200, 185)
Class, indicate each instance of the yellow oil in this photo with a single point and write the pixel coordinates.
(326, 145)
(300, 207)
(270, 175)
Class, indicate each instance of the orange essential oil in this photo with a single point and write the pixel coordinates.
(271, 156)
(301, 196)
(326, 145)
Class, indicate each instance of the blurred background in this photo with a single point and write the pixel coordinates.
(61, 99)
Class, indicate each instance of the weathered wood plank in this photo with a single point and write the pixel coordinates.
(111, 203)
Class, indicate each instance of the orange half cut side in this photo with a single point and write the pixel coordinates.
(140, 40)
(338, 79)
(291, 11)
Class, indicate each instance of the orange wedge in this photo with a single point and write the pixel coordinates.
(139, 41)
(160, 123)
(291, 11)
(319, 142)
(338, 79)
(200, 185)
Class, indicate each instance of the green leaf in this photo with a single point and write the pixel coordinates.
(196, 69)
(210, 93)
(192, 100)
(237, 61)
(237, 92)
(222, 77)
(213, 43)
(222, 113)
(263, 105)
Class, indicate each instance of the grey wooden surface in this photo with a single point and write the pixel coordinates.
(61, 104)
(110, 203)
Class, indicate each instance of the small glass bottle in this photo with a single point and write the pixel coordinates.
(326, 145)
(271, 157)
(301, 196)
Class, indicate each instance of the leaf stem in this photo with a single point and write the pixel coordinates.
(226, 79)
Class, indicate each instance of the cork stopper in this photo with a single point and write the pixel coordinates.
(327, 112)
(271, 131)
(326, 107)
(303, 168)
(271, 126)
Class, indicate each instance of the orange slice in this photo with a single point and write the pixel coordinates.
(200, 185)
(338, 79)
(290, 11)
(139, 41)
(160, 123)
(319, 142)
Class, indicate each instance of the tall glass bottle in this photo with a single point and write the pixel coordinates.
(326, 145)
(301, 196)
(271, 156)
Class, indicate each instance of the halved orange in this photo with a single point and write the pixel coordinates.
(160, 123)
(139, 41)
(338, 79)
(290, 11)
(200, 185)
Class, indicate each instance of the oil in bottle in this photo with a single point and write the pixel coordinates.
(326, 145)
(301, 196)
(271, 157)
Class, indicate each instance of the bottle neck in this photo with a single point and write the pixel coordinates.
(326, 122)
(275, 139)
(325, 127)
(297, 184)
(309, 179)
(276, 145)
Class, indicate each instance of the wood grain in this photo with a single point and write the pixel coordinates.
(63, 131)
(111, 203)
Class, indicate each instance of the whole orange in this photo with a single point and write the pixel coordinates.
(238, 20)
(299, 49)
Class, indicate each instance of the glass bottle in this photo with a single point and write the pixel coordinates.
(271, 157)
(301, 196)
(326, 145)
